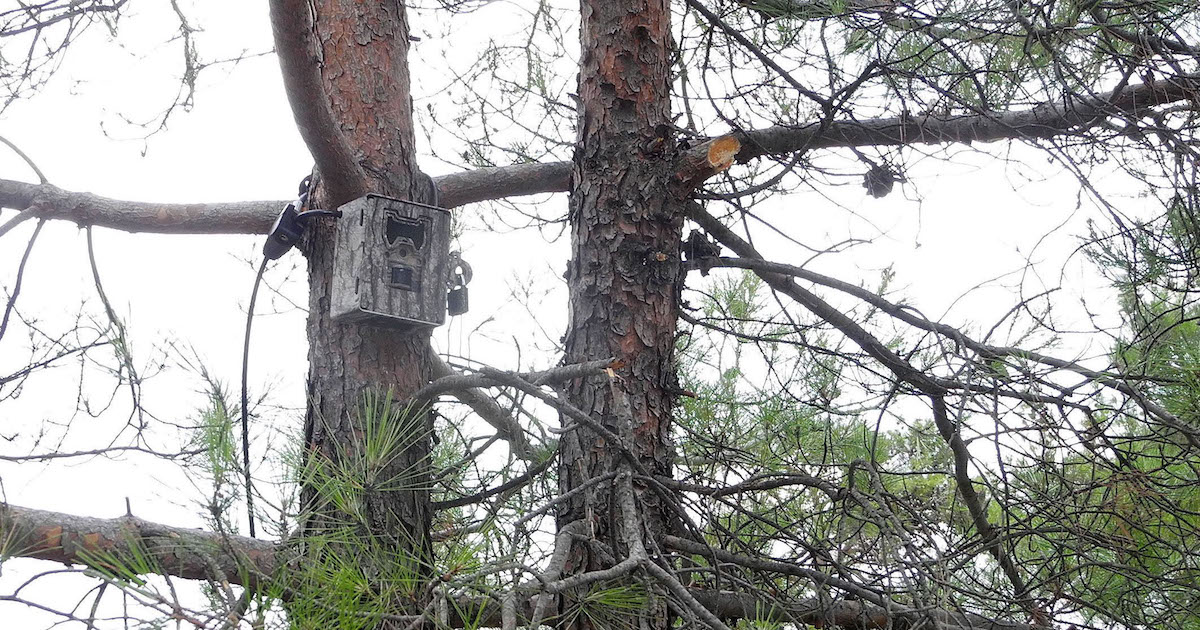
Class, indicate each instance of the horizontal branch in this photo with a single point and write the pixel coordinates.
(757, 483)
(1046, 120)
(693, 166)
(466, 387)
(838, 613)
(50, 202)
(175, 551)
(498, 182)
(199, 555)
(455, 381)
(733, 606)
(870, 610)
(256, 217)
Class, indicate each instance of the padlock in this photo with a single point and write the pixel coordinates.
(456, 301)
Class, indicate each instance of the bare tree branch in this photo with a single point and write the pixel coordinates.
(299, 59)
(484, 184)
(1046, 120)
(199, 555)
(879, 613)
(50, 202)
(177, 551)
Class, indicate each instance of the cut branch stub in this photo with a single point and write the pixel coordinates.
(706, 160)
(722, 151)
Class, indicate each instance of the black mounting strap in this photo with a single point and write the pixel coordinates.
(290, 224)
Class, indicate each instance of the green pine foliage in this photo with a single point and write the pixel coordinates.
(768, 408)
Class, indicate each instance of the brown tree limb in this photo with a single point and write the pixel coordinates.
(849, 614)
(200, 555)
(993, 539)
(254, 217)
(733, 606)
(692, 168)
(869, 611)
(50, 202)
(300, 62)
(497, 182)
(176, 551)
(1045, 120)
(485, 406)
(466, 388)
(449, 380)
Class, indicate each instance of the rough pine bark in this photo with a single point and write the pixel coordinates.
(623, 279)
(363, 50)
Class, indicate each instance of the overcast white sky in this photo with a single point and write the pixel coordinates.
(239, 143)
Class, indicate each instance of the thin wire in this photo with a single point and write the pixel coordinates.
(302, 213)
(319, 213)
(246, 398)
(436, 196)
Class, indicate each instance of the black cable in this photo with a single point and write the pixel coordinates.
(288, 229)
(246, 397)
(337, 214)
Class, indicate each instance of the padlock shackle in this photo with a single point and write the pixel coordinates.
(456, 262)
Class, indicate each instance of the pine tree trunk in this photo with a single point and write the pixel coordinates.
(623, 277)
(364, 48)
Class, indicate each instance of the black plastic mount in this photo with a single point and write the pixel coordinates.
(290, 224)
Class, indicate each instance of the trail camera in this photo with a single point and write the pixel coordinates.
(392, 263)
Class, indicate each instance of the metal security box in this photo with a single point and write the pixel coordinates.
(392, 263)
